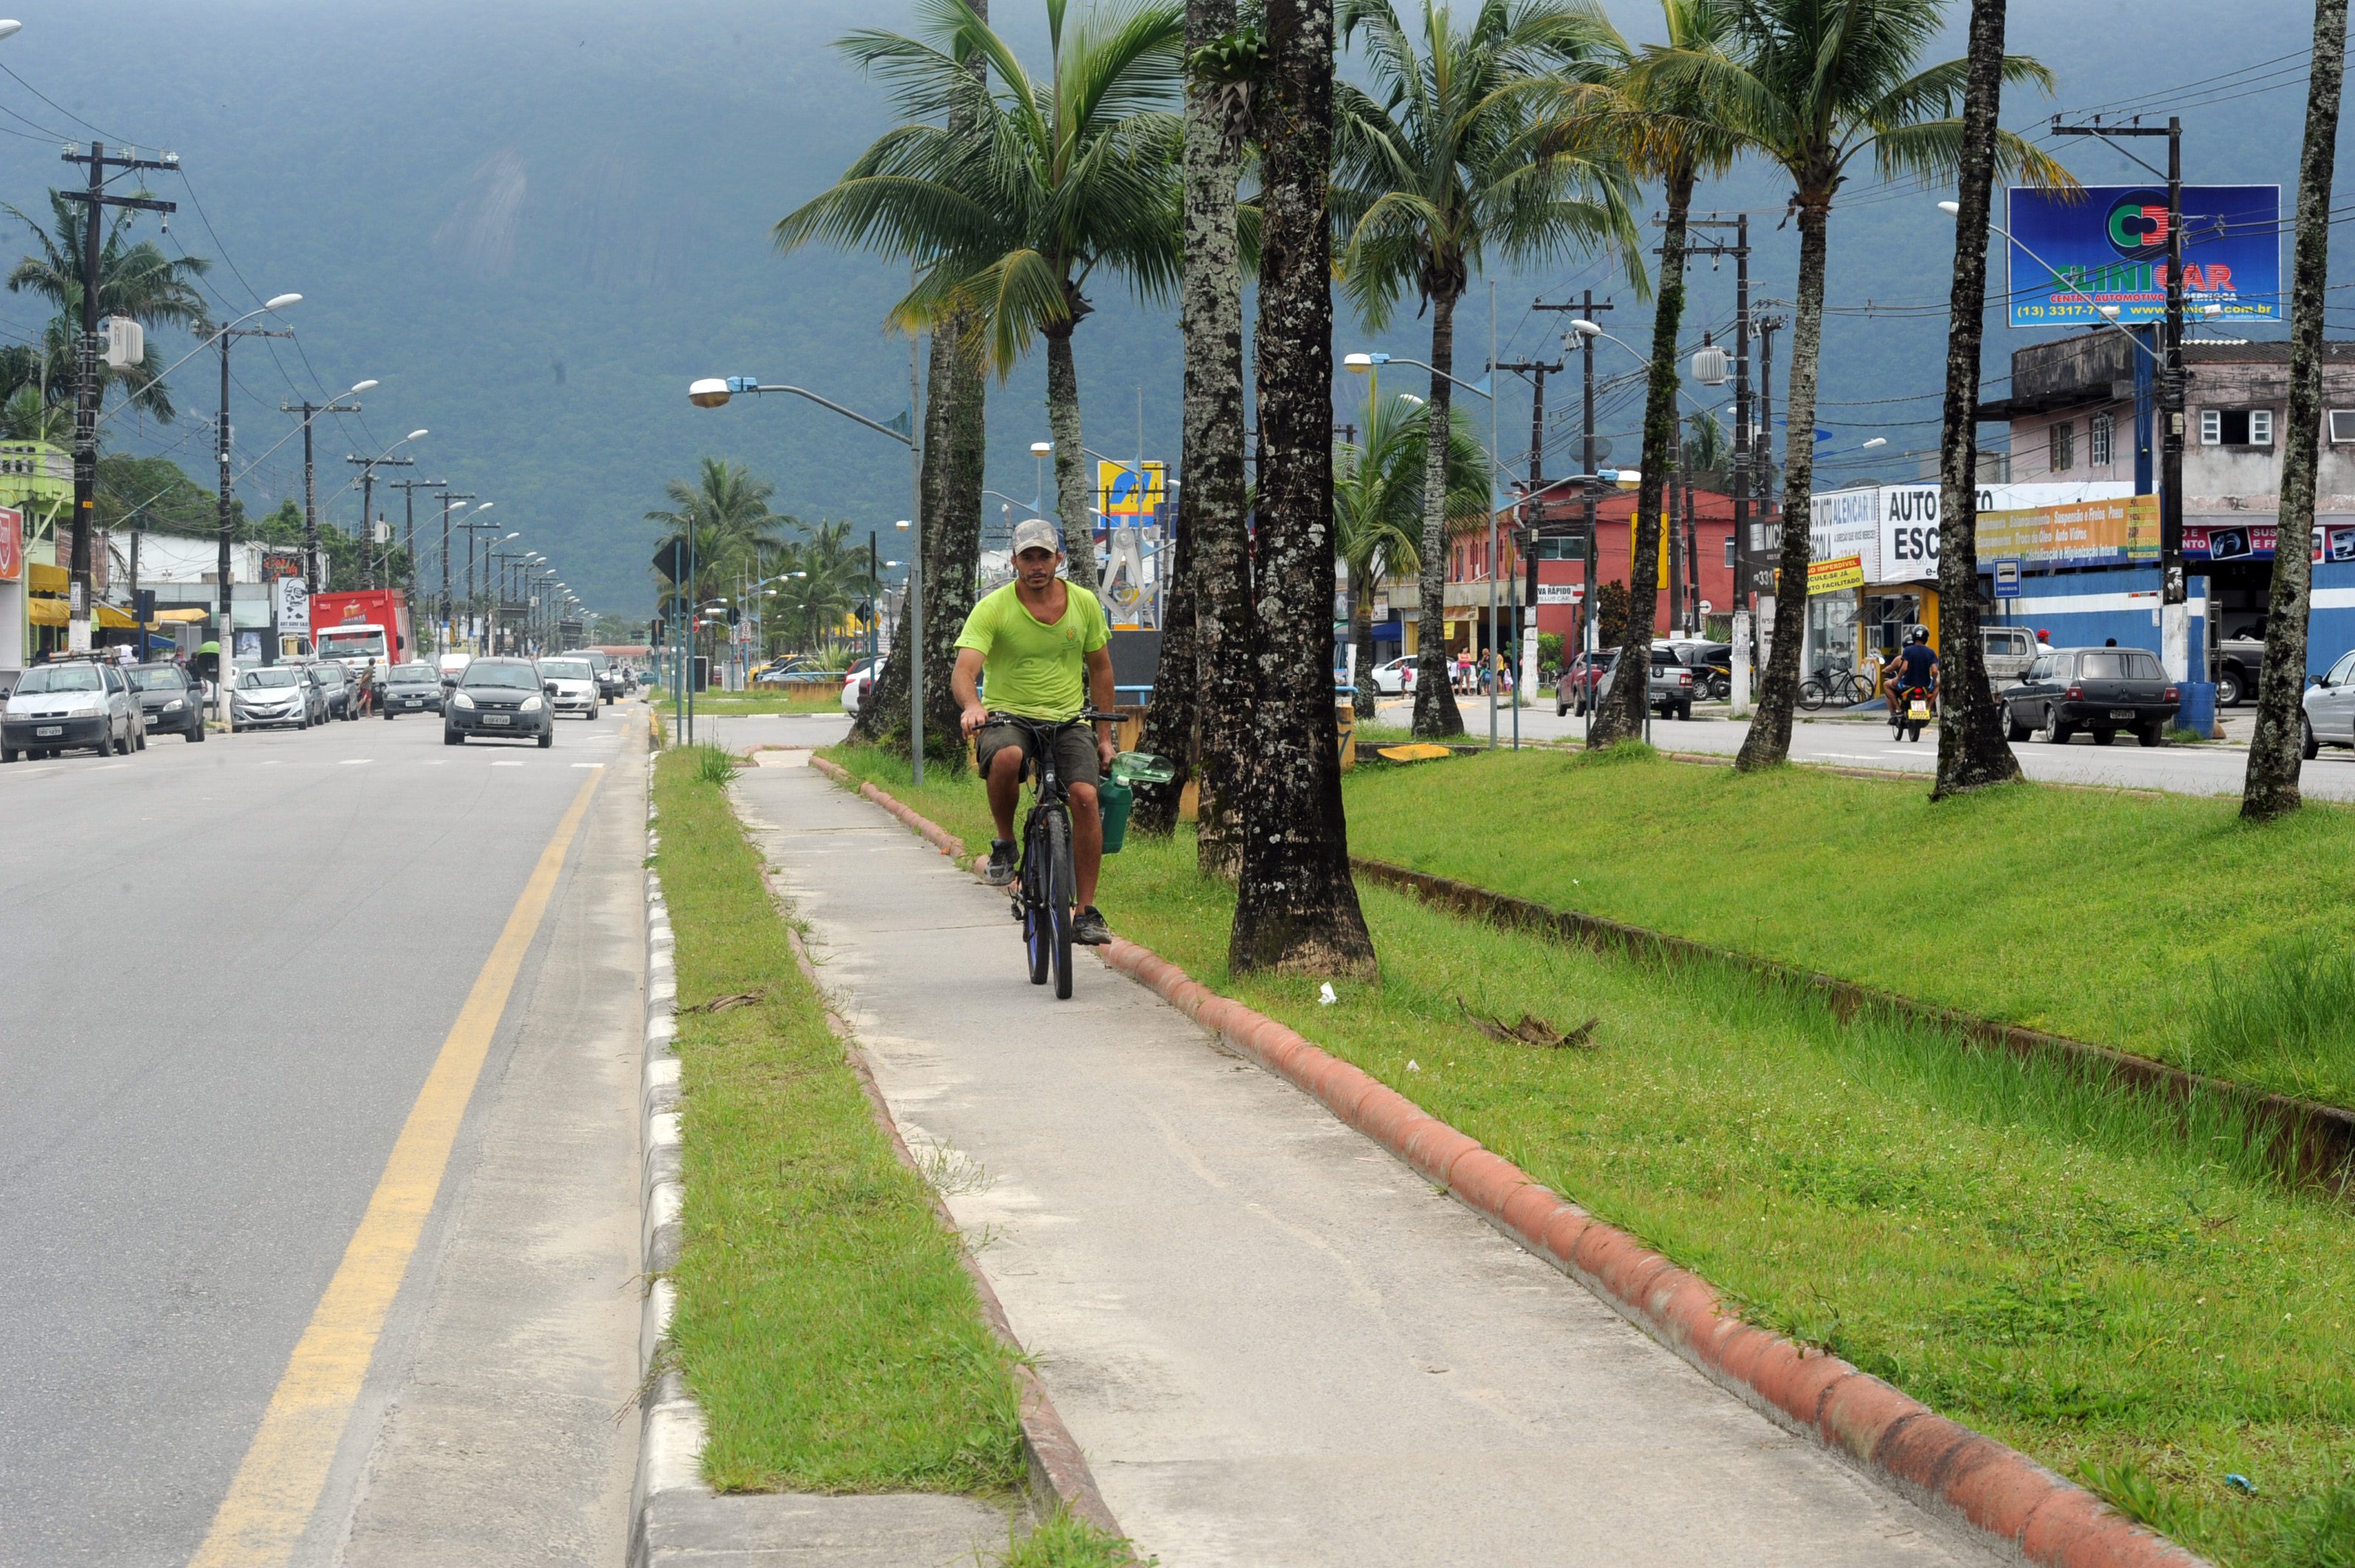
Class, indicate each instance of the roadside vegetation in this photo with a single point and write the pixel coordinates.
(824, 697)
(2159, 925)
(2050, 1262)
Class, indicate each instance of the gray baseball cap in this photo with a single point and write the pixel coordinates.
(1036, 533)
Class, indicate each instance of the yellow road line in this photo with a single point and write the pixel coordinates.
(278, 1483)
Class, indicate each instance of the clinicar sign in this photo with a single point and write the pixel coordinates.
(2076, 259)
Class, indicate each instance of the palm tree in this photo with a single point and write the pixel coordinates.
(1453, 160)
(2270, 787)
(1378, 510)
(724, 513)
(133, 280)
(1673, 133)
(1009, 220)
(819, 581)
(1818, 86)
(1296, 908)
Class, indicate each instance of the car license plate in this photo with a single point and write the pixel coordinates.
(2122, 713)
(496, 718)
(50, 730)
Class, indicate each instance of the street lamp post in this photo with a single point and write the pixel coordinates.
(715, 391)
(225, 636)
(311, 576)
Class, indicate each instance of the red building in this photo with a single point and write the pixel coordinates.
(1710, 542)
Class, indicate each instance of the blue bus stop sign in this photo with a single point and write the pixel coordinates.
(2007, 580)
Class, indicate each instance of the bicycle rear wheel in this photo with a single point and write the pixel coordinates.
(1811, 694)
(1059, 900)
(1037, 928)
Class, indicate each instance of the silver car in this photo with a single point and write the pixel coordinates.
(2330, 704)
(276, 696)
(74, 703)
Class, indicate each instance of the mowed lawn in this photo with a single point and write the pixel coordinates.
(2159, 924)
(2054, 1264)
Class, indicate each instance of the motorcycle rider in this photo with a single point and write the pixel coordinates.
(1916, 665)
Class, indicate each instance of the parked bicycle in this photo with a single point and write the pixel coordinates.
(1842, 688)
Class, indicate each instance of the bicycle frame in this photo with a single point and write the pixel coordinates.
(1044, 883)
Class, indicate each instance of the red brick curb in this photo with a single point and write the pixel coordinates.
(1943, 1465)
(931, 832)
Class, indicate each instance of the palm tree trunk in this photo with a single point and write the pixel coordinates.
(1296, 906)
(1171, 720)
(1435, 712)
(1620, 716)
(1072, 490)
(1769, 741)
(1361, 639)
(1972, 751)
(1211, 502)
(956, 399)
(2271, 788)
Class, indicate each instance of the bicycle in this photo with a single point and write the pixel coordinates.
(1843, 688)
(1045, 884)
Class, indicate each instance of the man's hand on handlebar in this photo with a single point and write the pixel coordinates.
(973, 717)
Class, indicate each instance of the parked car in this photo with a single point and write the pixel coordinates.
(408, 688)
(67, 705)
(2237, 661)
(1711, 664)
(790, 669)
(859, 682)
(501, 696)
(609, 676)
(2102, 691)
(2329, 704)
(336, 684)
(1395, 678)
(570, 685)
(2010, 652)
(451, 666)
(1575, 688)
(274, 695)
(171, 700)
(1672, 686)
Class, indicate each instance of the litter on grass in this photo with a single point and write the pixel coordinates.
(1531, 1030)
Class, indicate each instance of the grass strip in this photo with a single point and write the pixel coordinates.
(2022, 1252)
(825, 698)
(823, 1320)
(2159, 925)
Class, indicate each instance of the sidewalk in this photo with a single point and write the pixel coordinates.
(1277, 1344)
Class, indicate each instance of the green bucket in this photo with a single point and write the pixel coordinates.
(1115, 798)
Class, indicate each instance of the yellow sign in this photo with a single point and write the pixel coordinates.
(2080, 533)
(1120, 492)
(1635, 527)
(1843, 574)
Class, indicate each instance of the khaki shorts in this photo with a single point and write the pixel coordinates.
(1075, 750)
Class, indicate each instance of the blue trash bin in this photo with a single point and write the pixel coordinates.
(2197, 709)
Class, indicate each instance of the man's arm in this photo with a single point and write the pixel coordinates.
(964, 684)
(1099, 698)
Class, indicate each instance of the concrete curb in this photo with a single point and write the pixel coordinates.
(1947, 1468)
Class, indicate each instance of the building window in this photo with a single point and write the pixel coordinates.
(2342, 427)
(1728, 552)
(2100, 432)
(2062, 440)
(2236, 427)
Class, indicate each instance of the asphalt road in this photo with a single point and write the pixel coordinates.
(2212, 769)
(228, 968)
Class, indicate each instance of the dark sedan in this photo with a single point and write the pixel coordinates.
(172, 700)
(409, 688)
(499, 697)
(2101, 691)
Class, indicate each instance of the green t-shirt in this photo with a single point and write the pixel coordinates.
(1036, 670)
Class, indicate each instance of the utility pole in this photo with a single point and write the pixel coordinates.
(474, 601)
(367, 467)
(310, 410)
(448, 498)
(2174, 590)
(1584, 620)
(226, 637)
(1763, 457)
(409, 488)
(1739, 251)
(1525, 621)
(87, 390)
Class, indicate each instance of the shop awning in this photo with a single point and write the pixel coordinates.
(51, 611)
(185, 615)
(43, 578)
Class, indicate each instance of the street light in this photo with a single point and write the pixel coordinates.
(714, 392)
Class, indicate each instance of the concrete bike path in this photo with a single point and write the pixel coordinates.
(1277, 1344)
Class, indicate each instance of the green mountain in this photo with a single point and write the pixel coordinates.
(533, 223)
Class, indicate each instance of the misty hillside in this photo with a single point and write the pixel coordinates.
(534, 222)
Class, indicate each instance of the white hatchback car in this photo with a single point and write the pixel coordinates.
(1394, 677)
(859, 682)
(571, 685)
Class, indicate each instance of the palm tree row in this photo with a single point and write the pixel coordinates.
(1497, 132)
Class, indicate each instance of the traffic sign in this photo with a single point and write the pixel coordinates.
(2007, 580)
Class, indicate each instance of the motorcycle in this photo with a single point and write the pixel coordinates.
(1911, 711)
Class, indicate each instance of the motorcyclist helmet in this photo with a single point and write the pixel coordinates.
(1919, 634)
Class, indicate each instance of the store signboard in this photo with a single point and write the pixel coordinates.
(2085, 533)
(1843, 575)
(2080, 257)
(12, 544)
(1130, 489)
(1891, 529)
(291, 600)
(2255, 541)
(1560, 593)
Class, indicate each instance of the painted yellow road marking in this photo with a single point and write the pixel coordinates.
(278, 1483)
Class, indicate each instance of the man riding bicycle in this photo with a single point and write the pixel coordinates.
(1044, 644)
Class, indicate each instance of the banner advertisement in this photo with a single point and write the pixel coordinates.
(2255, 541)
(1891, 529)
(1844, 575)
(2106, 246)
(12, 544)
(291, 598)
(2087, 533)
(1129, 490)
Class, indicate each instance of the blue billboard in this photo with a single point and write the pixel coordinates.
(2071, 258)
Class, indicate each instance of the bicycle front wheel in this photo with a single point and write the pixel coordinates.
(1038, 929)
(1059, 910)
